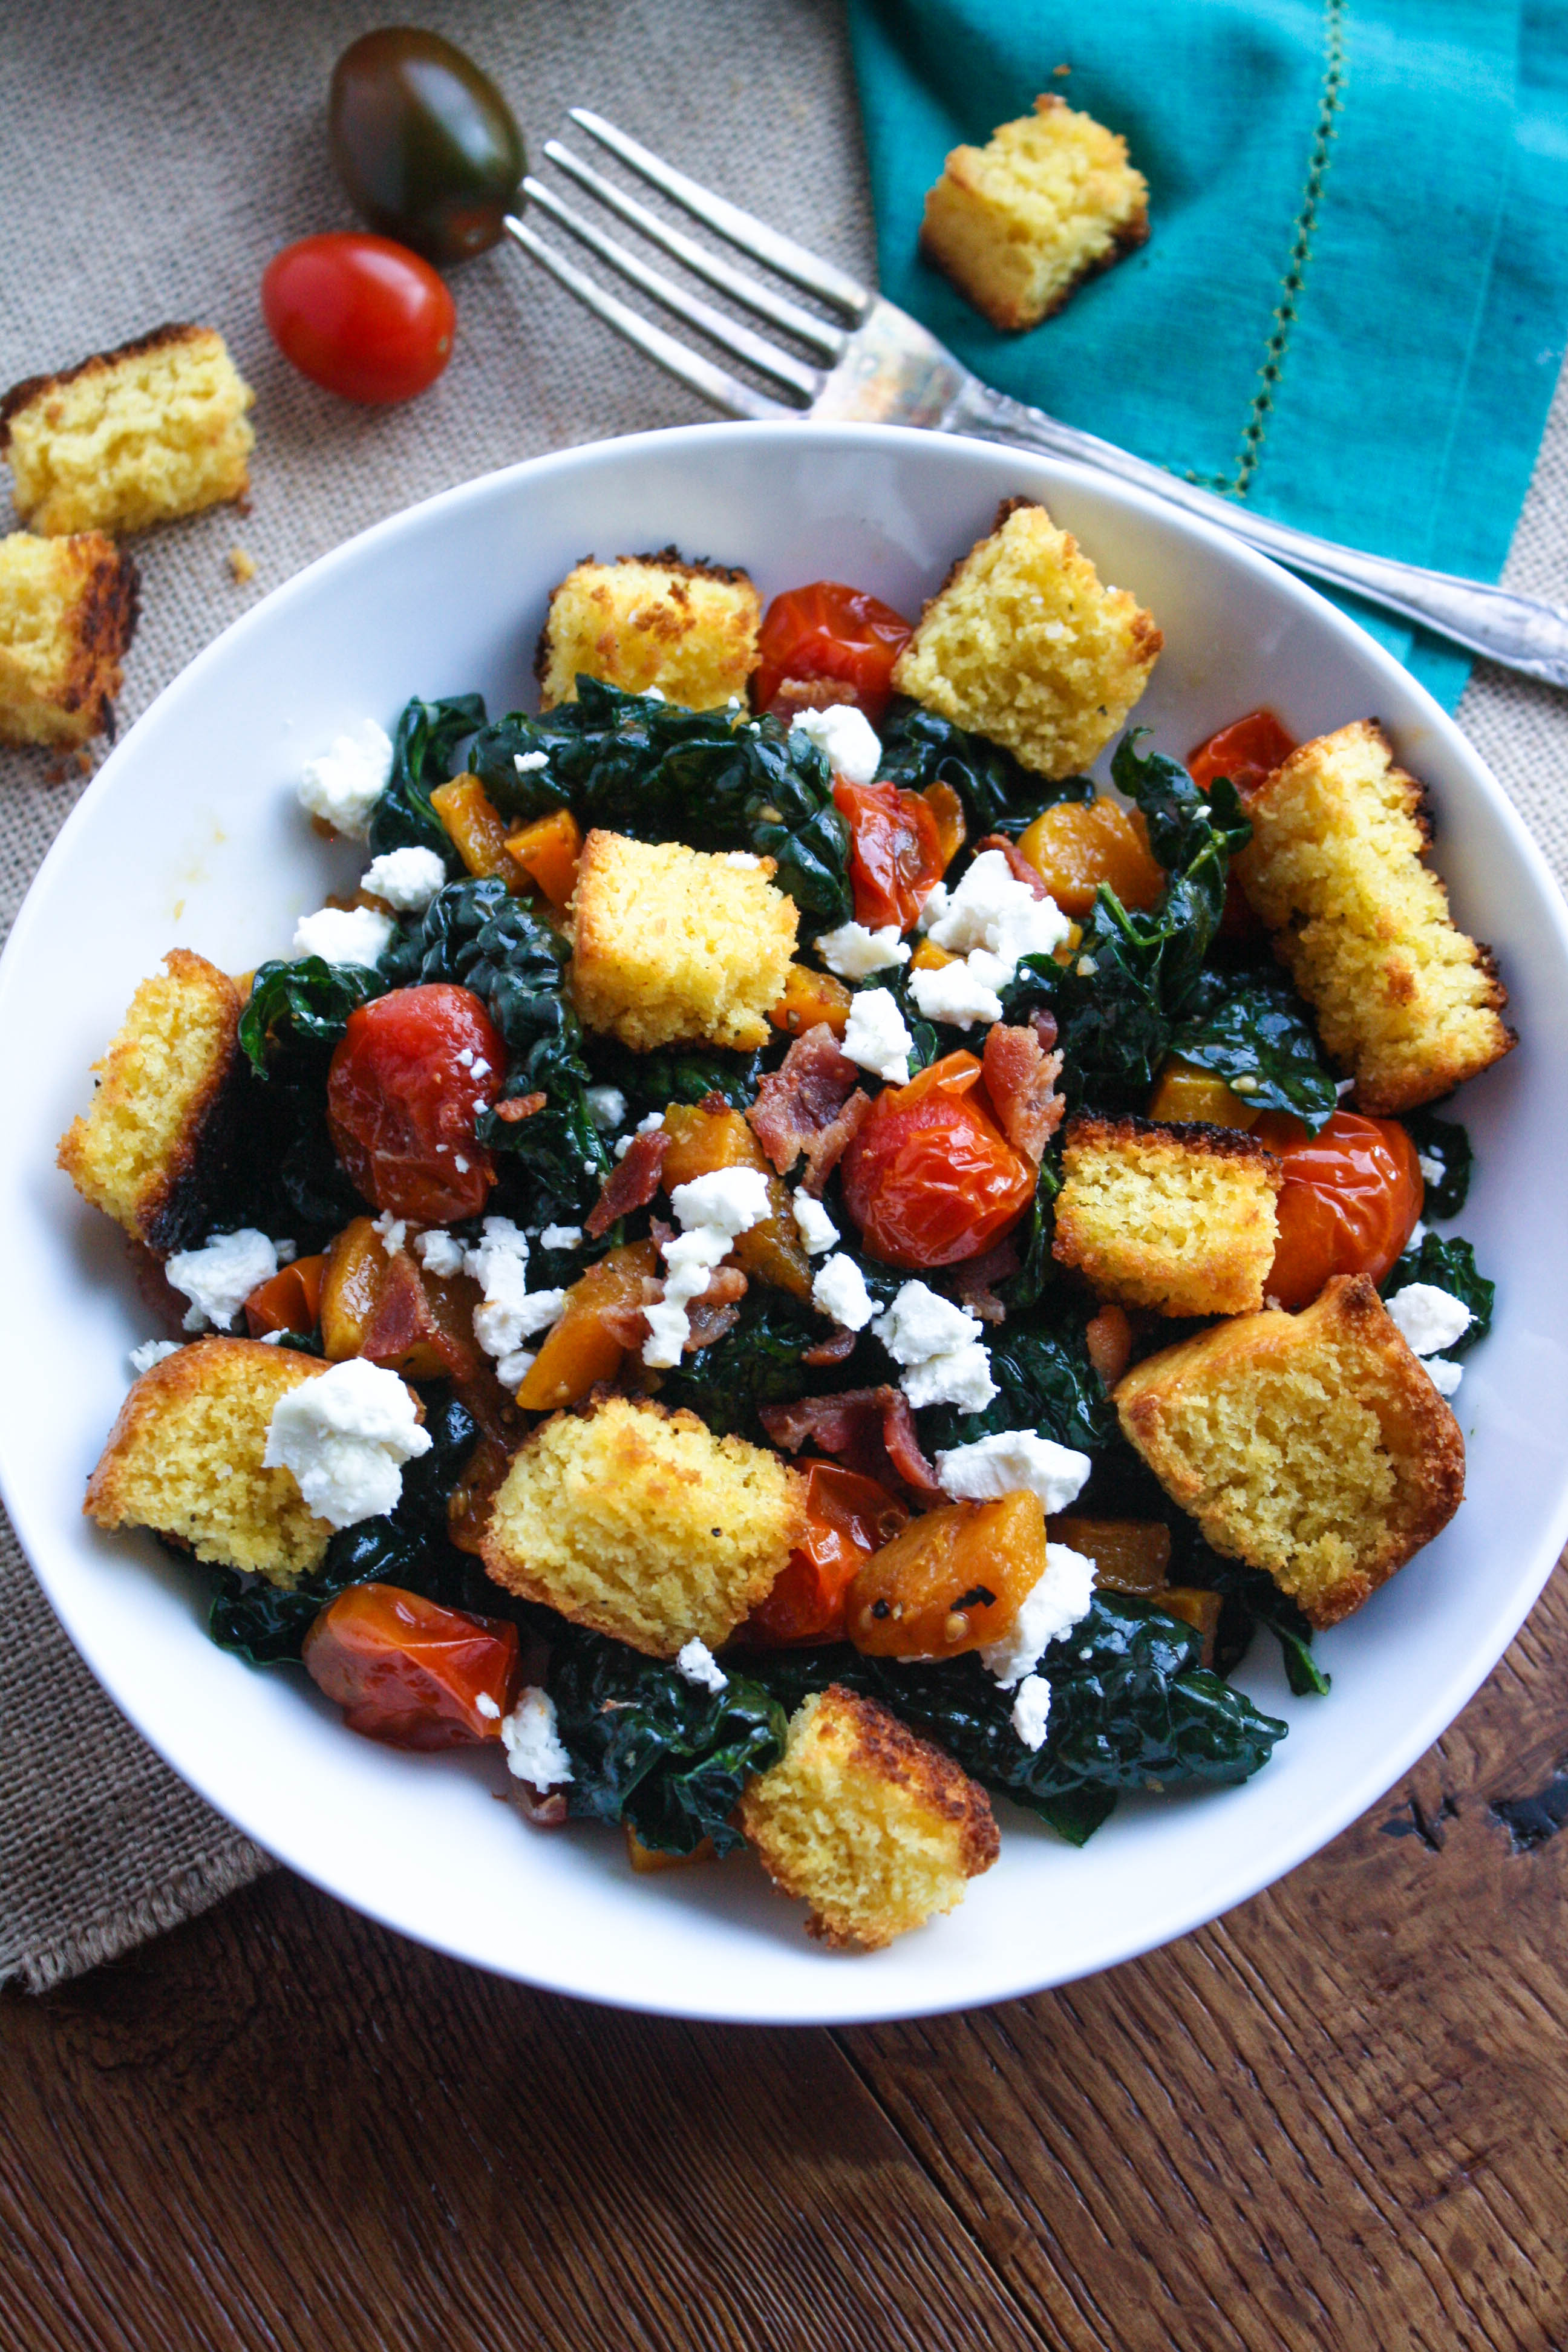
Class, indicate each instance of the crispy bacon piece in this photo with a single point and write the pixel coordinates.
(1108, 1339)
(840, 1343)
(1044, 1025)
(1020, 1078)
(631, 1183)
(1019, 864)
(872, 1430)
(823, 1156)
(803, 1098)
(974, 1280)
(517, 1106)
(793, 694)
(709, 1315)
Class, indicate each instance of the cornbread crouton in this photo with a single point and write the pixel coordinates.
(877, 1830)
(67, 612)
(641, 1523)
(131, 437)
(1017, 224)
(690, 629)
(154, 1138)
(674, 943)
(1021, 643)
(1405, 1004)
(1314, 1446)
(1180, 1219)
(185, 1457)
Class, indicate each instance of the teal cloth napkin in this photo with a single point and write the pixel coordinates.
(1353, 306)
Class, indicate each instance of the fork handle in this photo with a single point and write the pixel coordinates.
(1519, 632)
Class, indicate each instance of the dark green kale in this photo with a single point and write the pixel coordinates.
(423, 755)
(1045, 1383)
(1252, 1026)
(1032, 1241)
(1444, 1142)
(1250, 1599)
(649, 1748)
(297, 1013)
(289, 1180)
(1448, 1265)
(999, 796)
(676, 1074)
(757, 1362)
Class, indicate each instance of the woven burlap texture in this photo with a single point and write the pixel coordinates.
(154, 160)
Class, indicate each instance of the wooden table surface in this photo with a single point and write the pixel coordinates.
(1337, 2119)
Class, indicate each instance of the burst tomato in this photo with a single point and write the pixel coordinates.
(402, 1101)
(406, 1671)
(359, 315)
(930, 1179)
(1350, 1199)
(847, 1517)
(895, 851)
(829, 631)
(1248, 751)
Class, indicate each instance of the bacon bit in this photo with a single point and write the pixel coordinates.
(839, 1344)
(802, 1099)
(630, 1184)
(1108, 1339)
(1019, 864)
(872, 1430)
(709, 1315)
(974, 1281)
(520, 1107)
(824, 1156)
(545, 1812)
(793, 694)
(1044, 1025)
(1020, 1079)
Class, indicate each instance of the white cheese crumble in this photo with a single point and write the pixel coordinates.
(696, 1665)
(561, 1236)
(956, 994)
(393, 1232)
(527, 764)
(345, 1436)
(1053, 1608)
(854, 953)
(343, 783)
(1032, 1710)
(438, 1254)
(938, 1348)
(732, 1199)
(845, 737)
(1432, 1170)
(876, 1039)
(534, 1753)
(344, 935)
(606, 1108)
(1429, 1319)
(714, 1211)
(218, 1278)
(1013, 1461)
(933, 907)
(815, 1226)
(485, 1705)
(510, 1312)
(645, 1126)
(741, 857)
(150, 1352)
(839, 1291)
(1344, 1087)
(1446, 1374)
(991, 909)
(406, 879)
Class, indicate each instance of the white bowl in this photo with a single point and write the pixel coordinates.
(190, 836)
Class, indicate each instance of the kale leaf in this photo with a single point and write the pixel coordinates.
(757, 1362)
(295, 1007)
(1253, 1027)
(424, 754)
(1250, 1598)
(1448, 1265)
(1045, 1381)
(1444, 1142)
(676, 1074)
(999, 795)
(288, 1178)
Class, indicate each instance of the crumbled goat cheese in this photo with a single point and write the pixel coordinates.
(992, 909)
(534, 1753)
(839, 1291)
(732, 1199)
(606, 1108)
(936, 1344)
(438, 1254)
(1064, 1594)
(510, 1312)
(956, 994)
(815, 1226)
(1032, 1710)
(933, 907)
(344, 935)
(960, 1378)
(150, 1352)
(741, 857)
(645, 1126)
(696, 1665)
(345, 1437)
(485, 1705)
(653, 694)
(406, 879)
(1432, 1170)
(561, 1236)
(343, 783)
(854, 953)
(220, 1277)
(466, 1058)
(393, 1232)
(845, 737)
(875, 1037)
(1014, 1462)
(1429, 1319)
(482, 1069)
(1344, 1087)
(714, 1211)
(527, 764)
(1446, 1374)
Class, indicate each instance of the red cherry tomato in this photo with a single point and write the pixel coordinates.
(827, 630)
(1248, 751)
(401, 1103)
(895, 851)
(847, 1517)
(407, 1671)
(1350, 1199)
(930, 1179)
(359, 315)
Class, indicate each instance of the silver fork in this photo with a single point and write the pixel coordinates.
(882, 365)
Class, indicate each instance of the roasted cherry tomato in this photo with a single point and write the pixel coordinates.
(359, 315)
(1349, 1202)
(289, 1301)
(952, 1580)
(402, 1101)
(407, 1671)
(847, 1517)
(425, 143)
(829, 631)
(930, 1179)
(1248, 751)
(895, 851)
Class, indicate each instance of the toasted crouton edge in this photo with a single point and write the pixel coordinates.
(669, 558)
(23, 395)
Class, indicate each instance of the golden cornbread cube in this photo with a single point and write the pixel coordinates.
(1407, 1004)
(136, 435)
(148, 1147)
(1023, 643)
(671, 943)
(67, 612)
(1047, 201)
(690, 629)
(1179, 1218)
(642, 1523)
(1314, 1446)
(185, 1458)
(877, 1830)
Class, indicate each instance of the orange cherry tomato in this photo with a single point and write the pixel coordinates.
(829, 631)
(362, 317)
(1248, 751)
(401, 1103)
(895, 851)
(847, 1517)
(411, 1672)
(930, 1179)
(1350, 1202)
(289, 1301)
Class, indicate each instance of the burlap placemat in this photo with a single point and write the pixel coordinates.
(154, 160)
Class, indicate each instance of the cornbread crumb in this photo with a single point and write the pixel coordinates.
(1048, 201)
(642, 1523)
(1314, 1446)
(241, 566)
(1405, 1003)
(185, 1457)
(877, 1830)
(157, 1128)
(690, 629)
(1179, 1218)
(67, 612)
(1022, 644)
(674, 943)
(128, 437)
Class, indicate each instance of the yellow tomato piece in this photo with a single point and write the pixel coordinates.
(477, 830)
(1183, 1093)
(1077, 845)
(951, 1580)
